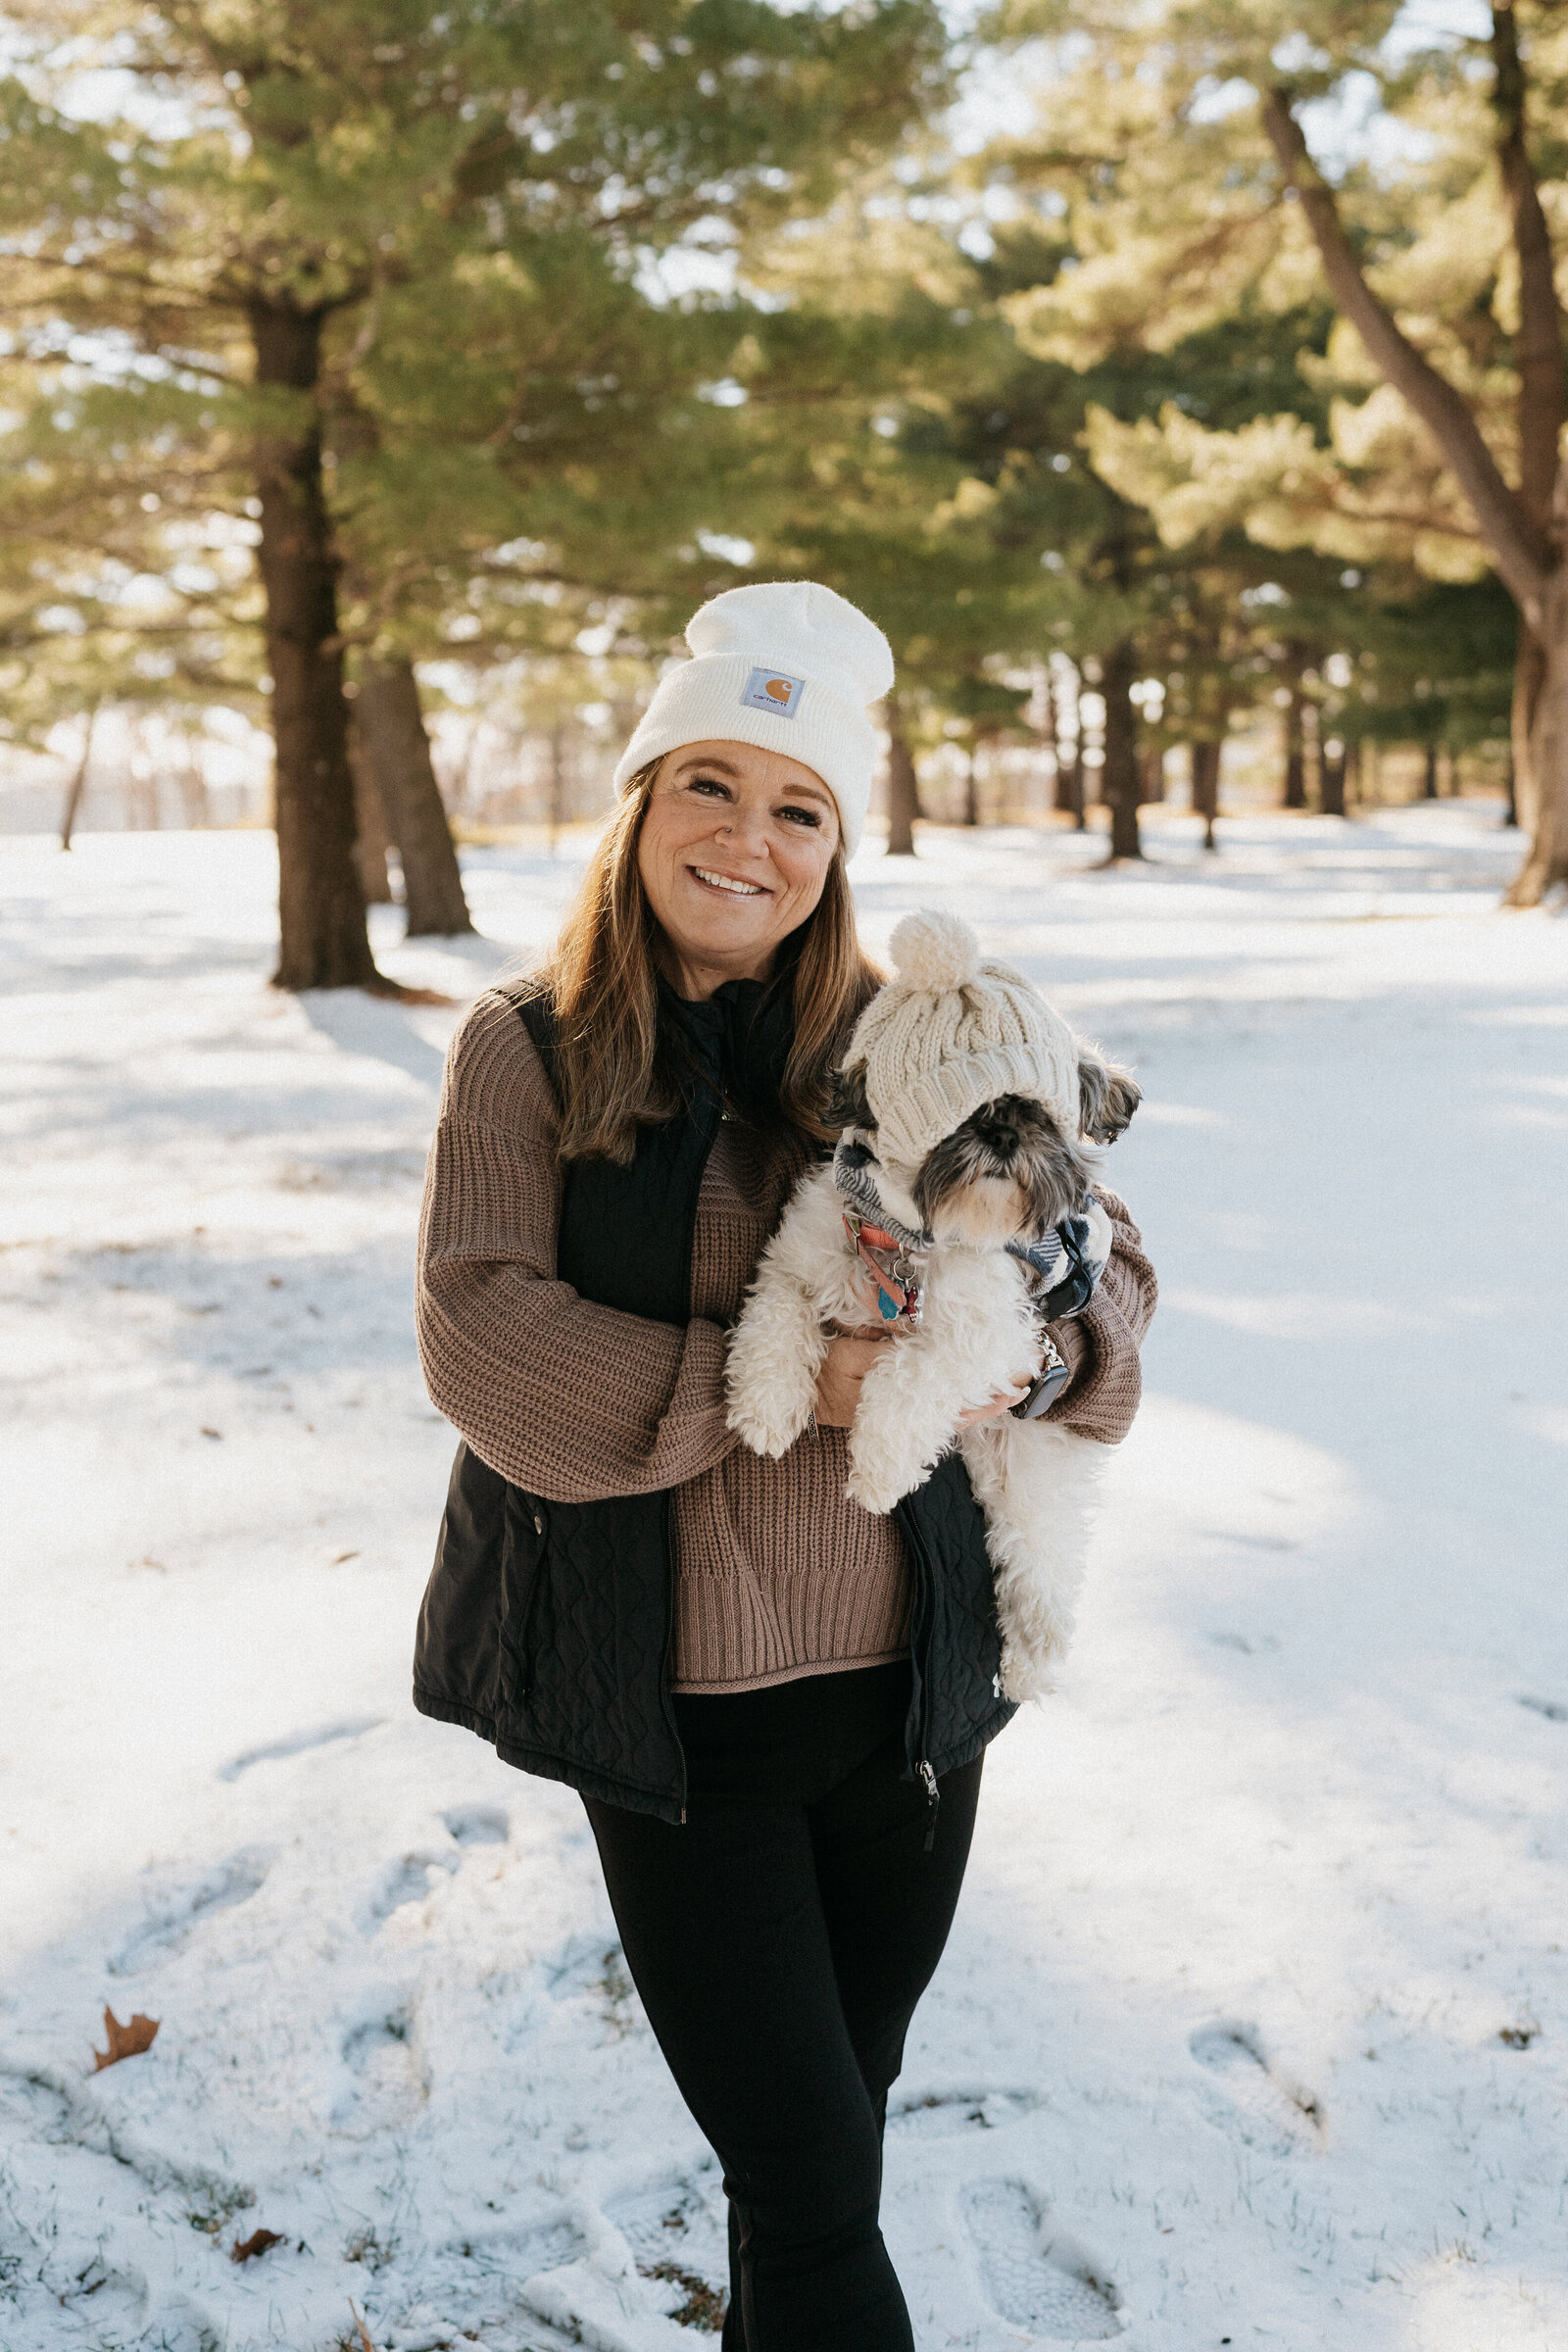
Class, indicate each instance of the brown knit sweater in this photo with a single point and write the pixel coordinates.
(778, 1574)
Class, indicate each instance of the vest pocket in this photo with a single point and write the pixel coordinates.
(523, 1552)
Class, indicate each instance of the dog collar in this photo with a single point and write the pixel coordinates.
(1061, 1264)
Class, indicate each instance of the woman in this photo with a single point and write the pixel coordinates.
(774, 1706)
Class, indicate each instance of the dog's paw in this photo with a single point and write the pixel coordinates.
(771, 1432)
(1024, 1677)
(877, 1485)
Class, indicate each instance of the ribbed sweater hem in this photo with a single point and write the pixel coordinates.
(796, 1673)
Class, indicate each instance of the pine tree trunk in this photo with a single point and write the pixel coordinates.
(78, 782)
(971, 794)
(1352, 772)
(1540, 759)
(1429, 780)
(1048, 736)
(1119, 779)
(903, 789)
(193, 790)
(371, 842)
(1295, 748)
(392, 728)
(1070, 794)
(325, 943)
(1152, 775)
(1331, 782)
(1205, 788)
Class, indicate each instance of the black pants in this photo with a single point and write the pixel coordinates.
(781, 1940)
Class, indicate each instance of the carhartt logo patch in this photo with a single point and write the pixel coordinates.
(773, 690)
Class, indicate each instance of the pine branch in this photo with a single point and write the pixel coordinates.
(1521, 551)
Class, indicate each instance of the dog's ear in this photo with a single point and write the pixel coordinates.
(1107, 1097)
(848, 1104)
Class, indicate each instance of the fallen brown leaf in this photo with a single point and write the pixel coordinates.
(257, 2243)
(124, 2041)
(364, 2332)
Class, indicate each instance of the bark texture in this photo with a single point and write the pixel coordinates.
(392, 730)
(1538, 344)
(321, 902)
(1544, 769)
(372, 842)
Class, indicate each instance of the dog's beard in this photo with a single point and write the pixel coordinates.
(1008, 1173)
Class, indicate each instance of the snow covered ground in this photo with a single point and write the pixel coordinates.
(1253, 2029)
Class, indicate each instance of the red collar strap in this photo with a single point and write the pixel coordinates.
(886, 1276)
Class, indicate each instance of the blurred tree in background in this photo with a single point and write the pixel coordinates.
(272, 190)
(351, 352)
(1185, 133)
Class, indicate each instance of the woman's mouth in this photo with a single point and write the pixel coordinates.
(727, 883)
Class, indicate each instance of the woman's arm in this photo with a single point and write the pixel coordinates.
(571, 1400)
(1101, 1346)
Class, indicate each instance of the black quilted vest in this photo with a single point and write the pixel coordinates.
(546, 1627)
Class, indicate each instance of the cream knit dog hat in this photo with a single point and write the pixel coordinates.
(788, 666)
(952, 1032)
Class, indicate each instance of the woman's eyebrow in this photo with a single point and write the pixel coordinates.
(727, 767)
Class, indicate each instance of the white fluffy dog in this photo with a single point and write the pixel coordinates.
(958, 1213)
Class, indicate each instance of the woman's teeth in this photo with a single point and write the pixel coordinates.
(742, 890)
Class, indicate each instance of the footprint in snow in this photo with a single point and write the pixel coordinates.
(1035, 2276)
(1260, 2105)
(593, 1968)
(407, 1880)
(941, 2118)
(478, 1825)
(388, 2085)
(171, 1919)
(299, 1744)
(678, 2238)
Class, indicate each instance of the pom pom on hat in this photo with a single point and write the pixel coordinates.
(934, 951)
(953, 1031)
(788, 666)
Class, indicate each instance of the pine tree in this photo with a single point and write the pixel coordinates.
(303, 169)
(1445, 272)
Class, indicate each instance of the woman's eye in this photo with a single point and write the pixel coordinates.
(802, 816)
(710, 784)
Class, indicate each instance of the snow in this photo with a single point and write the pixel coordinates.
(1254, 2028)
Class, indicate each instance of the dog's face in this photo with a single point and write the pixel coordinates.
(1009, 1172)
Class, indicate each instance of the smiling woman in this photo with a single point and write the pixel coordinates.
(774, 1702)
(733, 853)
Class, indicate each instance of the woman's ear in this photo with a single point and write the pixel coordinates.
(1107, 1097)
(848, 1104)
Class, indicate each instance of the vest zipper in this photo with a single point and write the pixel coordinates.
(932, 1798)
(920, 1641)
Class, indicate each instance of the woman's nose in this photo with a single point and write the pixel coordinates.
(745, 829)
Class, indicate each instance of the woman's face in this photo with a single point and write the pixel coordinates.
(734, 850)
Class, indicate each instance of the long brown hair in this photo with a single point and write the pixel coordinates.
(603, 986)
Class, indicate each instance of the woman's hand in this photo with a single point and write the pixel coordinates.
(838, 1384)
(1002, 1401)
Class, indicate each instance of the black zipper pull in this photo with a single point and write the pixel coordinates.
(932, 1798)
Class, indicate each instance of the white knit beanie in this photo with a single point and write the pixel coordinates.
(788, 666)
(952, 1032)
